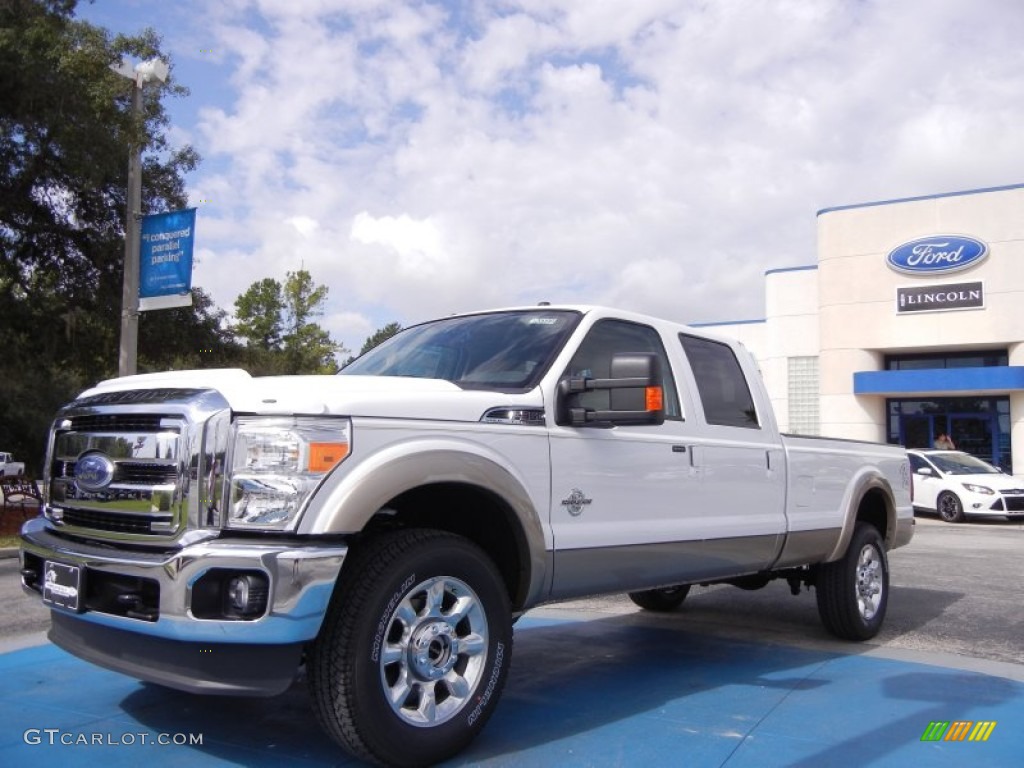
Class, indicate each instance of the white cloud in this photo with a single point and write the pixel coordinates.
(423, 158)
(304, 225)
(417, 244)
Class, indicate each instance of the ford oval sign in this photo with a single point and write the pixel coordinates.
(937, 254)
(93, 472)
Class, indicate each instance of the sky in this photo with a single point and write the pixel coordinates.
(422, 158)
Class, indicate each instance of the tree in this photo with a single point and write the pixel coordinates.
(308, 348)
(276, 322)
(197, 336)
(258, 313)
(65, 127)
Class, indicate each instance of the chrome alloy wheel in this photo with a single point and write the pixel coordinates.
(434, 651)
(869, 582)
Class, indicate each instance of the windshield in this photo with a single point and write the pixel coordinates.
(500, 350)
(962, 464)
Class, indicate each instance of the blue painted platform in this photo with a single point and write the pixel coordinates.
(602, 692)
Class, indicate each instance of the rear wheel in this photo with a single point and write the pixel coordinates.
(664, 599)
(853, 592)
(950, 508)
(414, 650)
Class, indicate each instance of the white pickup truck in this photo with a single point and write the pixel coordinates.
(9, 467)
(214, 532)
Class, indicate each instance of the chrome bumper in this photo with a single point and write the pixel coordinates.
(301, 576)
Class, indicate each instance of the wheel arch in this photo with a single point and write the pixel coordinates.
(869, 498)
(466, 494)
(473, 512)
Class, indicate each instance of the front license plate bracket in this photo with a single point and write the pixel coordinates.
(62, 585)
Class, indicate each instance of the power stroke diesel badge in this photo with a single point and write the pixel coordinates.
(576, 502)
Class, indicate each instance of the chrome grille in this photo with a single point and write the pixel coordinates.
(134, 473)
(128, 422)
(106, 521)
(155, 459)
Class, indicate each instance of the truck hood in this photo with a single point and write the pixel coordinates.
(377, 396)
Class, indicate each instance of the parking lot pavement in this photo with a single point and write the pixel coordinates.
(604, 691)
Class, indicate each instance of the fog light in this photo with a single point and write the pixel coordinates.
(247, 594)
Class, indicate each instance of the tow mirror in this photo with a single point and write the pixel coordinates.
(635, 394)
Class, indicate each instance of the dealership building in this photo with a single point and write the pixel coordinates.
(911, 324)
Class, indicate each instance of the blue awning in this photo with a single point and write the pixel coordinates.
(940, 381)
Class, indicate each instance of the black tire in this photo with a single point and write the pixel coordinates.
(386, 637)
(853, 592)
(951, 509)
(661, 600)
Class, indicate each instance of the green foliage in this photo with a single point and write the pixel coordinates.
(66, 128)
(186, 338)
(276, 322)
(258, 315)
(66, 125)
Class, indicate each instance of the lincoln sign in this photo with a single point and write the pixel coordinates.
(935, 298)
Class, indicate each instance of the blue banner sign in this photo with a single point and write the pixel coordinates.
(165, 259)
(937, 254)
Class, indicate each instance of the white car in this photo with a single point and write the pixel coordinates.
(955, 484)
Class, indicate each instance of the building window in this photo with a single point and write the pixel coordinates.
(990, 358)
(803, 396)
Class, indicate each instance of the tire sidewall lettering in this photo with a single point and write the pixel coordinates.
(387, 613)
(492, 682)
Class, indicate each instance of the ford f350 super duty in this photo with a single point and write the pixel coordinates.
(214, 532)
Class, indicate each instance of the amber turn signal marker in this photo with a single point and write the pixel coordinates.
(324, 456)
(655, 401)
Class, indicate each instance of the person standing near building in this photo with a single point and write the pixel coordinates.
(944, 442)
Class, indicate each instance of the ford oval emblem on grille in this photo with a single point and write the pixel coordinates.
(93, 472)
(937, 254)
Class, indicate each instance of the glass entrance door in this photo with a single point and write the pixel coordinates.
(979, 426)
(973, 434)
(916, 431)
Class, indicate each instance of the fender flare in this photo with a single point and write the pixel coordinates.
(345, 503)
(866, 480)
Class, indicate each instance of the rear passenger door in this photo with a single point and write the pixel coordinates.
(738, 459)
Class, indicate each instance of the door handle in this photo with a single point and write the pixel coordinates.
(690, 449)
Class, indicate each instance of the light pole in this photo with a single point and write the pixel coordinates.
(140, 74)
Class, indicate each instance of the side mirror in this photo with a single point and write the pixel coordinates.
(635, 394)
(925, 472)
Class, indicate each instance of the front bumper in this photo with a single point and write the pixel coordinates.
(301, 580)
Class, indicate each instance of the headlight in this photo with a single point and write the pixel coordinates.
(979, 489)
(276, 464)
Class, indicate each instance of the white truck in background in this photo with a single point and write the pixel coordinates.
(384, 527)
(9, 467)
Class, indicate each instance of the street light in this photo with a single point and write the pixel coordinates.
(142, 73)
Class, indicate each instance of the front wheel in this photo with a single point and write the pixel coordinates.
(661, 600)
(853, 592)
(414, 651)
(950, 508)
